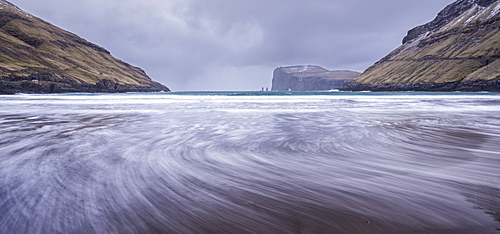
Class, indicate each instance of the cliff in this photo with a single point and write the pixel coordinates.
(458, 51)
(310, 78)
(38, 57)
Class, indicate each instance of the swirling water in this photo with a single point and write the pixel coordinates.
(250, 163)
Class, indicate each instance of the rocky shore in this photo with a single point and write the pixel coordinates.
(69, 86)
(470, 86)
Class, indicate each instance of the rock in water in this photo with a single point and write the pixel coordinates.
(458, 51)
(310, 78)
(38, 57)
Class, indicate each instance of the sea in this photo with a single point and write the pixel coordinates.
(250, 162)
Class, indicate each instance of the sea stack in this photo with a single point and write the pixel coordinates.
(458, 51)
(310, 78)
(38, 57)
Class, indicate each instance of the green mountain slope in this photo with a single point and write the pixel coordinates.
(459, 50)
(38, 57)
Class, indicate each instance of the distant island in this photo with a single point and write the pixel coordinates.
(310, 78)
(458, 51)
(38, 57)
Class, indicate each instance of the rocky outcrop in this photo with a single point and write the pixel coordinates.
(38, 57)
(447, 15)
(310, 78)
(70, 86)
(457, 51)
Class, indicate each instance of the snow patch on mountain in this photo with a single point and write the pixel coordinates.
(304, 68)
(475, 14)
(5, 5)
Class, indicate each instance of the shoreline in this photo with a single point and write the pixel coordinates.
(473, 86)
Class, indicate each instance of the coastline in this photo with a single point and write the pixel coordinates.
(473, 86)
(103, 86)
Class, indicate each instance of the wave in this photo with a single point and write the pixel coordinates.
(138, 163)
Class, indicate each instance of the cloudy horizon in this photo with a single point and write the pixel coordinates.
(236, 45)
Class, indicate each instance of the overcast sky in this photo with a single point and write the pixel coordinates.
(236, 44)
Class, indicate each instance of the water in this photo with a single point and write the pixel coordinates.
(243, 162)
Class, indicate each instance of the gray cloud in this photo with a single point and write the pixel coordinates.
(235, 45)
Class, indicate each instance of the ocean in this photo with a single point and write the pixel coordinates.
(250, 162)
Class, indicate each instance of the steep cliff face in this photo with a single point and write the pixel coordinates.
(38, 57)
(310, 78)
(459, 50)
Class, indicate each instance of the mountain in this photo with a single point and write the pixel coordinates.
(310, 78)
(38, 57)
(458, 51)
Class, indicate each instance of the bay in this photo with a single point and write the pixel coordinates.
(250, 162)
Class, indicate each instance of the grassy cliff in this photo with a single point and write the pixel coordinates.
(459, 50)
(38, 57)
(310, 78)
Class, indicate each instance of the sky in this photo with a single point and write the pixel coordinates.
(218, 45)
